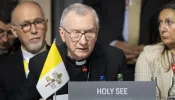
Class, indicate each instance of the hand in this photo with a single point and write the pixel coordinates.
(137, 51)
(131, 52)
(127, 49)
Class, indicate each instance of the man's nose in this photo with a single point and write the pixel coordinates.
(4, 38)
(83, 39)
(33, 29)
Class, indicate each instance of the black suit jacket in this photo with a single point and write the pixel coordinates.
(12, 75)
(107, 61)
(111, 15)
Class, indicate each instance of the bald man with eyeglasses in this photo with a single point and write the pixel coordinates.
(29, 25)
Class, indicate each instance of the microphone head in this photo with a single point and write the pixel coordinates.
(84, 69)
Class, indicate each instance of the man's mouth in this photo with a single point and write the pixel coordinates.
(82, 48)
(35, 39)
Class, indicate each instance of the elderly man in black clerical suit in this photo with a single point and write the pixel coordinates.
(78, 30)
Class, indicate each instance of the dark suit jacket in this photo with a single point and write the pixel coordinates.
(107, 61)
(12, 75)
(111, 15)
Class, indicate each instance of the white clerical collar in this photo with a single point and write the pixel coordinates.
(27, 55)
(80, 62)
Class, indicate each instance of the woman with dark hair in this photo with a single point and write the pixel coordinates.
(158, 60)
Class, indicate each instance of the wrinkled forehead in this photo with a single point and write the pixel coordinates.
(74, 20)
(27, 13)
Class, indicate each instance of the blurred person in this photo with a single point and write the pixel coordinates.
(29, 25)
(7, 39)
(158, 60)
(4, 40)
(126, 26)
(78, 30)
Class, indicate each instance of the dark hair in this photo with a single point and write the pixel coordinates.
(153, 28)
(153, 25)
(5, 12)
(170, 5)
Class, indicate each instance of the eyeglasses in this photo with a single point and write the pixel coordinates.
(4, 32)
(39, 24)
(77, 34)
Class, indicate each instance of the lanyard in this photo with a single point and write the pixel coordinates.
(172, 63)
(26, 69)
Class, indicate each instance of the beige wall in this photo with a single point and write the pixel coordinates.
(46, 5)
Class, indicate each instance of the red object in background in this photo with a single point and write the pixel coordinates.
(173, 67)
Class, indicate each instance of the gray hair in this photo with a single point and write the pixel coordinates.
(79, 9)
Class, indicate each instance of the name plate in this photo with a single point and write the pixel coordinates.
(121, 90)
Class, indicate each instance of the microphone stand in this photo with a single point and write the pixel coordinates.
(55, 95)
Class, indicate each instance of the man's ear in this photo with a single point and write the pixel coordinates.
(13, 30)
(98, 29)
(62, 34)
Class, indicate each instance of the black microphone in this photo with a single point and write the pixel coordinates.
(84, 70)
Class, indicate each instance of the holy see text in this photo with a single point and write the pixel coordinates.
(112, 91)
